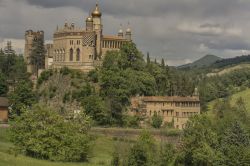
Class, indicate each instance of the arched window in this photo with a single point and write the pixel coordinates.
(78, 54)
(71, 54)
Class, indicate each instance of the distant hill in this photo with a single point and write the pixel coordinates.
(202, 62)
(232, 61)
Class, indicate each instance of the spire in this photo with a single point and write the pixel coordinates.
(128, 33)
(96, 12)
(120, 32)
(128, 29)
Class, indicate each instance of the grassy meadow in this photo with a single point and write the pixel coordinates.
(101, 155)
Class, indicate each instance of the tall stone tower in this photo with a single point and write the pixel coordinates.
(30, 37)
(97, 27)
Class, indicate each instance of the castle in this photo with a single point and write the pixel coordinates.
(78, 48)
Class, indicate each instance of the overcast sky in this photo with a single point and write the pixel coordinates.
(180, 31)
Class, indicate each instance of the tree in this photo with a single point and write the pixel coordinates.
(131, 57)
(199, 143)
(167, 155)
(156, 121)
(42, 133)
(235, 144)
(3, 85)
(148, 59)
(162, 63)
(38, 55)
(95, 107)
(22, 97)
(142, 153)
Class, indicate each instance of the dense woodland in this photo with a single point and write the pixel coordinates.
(102, 97)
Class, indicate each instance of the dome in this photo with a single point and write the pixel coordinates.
(128, 30)
(120, 31)
(89, 19)
(96, 12)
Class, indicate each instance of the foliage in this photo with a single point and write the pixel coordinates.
(44, 76)
(95, 107)
(38, 54)
(3, 85)
(21, 98)
(235, 144)
(42, 133)
(167, 155)
(143, 151)
(131, 121)
(156, 121)
(199, 143)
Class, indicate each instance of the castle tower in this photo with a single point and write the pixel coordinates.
(120, 32)
(128, 34)
(97, 27)
(30, 36)
(89, 24)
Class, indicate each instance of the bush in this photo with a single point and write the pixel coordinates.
(43, 133)
(156, 121)
(131, 121)
(65, 71)
(44, 76)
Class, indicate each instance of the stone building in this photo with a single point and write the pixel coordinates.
(30, 37)
(173, 109)
(84, 48)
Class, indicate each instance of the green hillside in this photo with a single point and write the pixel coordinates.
(202, 62)
(245, 95)
(228, 69)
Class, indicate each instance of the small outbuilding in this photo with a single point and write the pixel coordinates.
(4, 104)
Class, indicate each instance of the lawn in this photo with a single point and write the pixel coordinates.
(101, 156)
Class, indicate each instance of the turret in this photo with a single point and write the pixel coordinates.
(128, 34)
(120, 32)
(89, 24)
(97, 27)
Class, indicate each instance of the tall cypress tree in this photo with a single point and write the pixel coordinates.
(38, 55)
(148, 58)
(162, 63)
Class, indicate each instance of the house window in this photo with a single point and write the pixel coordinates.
(71, 54)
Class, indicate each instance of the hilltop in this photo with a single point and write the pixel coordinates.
(205, 61)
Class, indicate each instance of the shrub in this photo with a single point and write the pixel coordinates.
(44, 76)
(65, 71)
(43, 133)
(156, 121)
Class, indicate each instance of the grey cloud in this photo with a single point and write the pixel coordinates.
(176, 30)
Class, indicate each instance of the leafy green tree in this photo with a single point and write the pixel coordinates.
(22, 97)
(199, 143)
(7, 64)
(156, 121)
(95, 107)
(38, 55)
(235, 144)
(143, 152)
(131, 57)
(167, 155)
(42, 133)
(3, 85)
